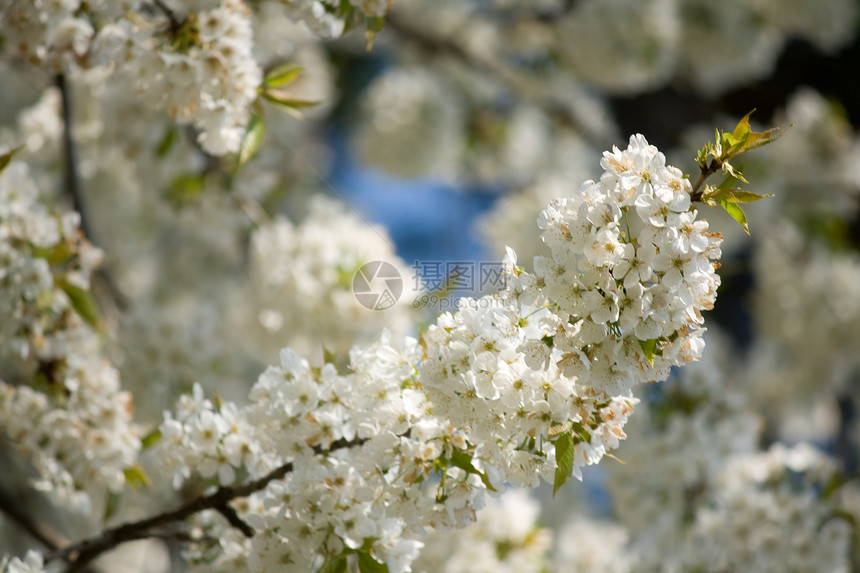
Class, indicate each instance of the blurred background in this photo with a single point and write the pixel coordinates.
(439, 146)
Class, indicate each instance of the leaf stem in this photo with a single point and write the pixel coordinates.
(712, 167)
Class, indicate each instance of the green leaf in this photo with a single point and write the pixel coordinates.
(282, 75)
(742, 196)
(729, 143)
(563, 460)
(344, 9)
(728, 183)
(253, 138)
(737, 213)
(82, 301)
(757, 140)
(713, 195)
(374, 27)
(335, 565)
(329, 357)
(649, 347)
(350, 15)
(742, 129)
(7, 157)
(367, 564)
(732, 195)
(135, 476)
(185, 188)
(702, 157)
(166, 142)
(834, 483)
(744, 139)
(463, 461)
(734, 142)
(581, 431)
(289, 102)
(57, 255)
(150, 439)
(111, 504)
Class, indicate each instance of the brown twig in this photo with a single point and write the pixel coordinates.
(175, 22)
(42, 532)
(81, 553)
(71, 177)
(697, 191)
(72, 187)
(233, 519)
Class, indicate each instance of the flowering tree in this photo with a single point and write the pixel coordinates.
(186, 372)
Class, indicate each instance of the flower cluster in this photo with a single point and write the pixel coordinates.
(626, 46)
(376, 495)
(56, 35)
(525, 384)
(769, 506)
(327, 18)
(618, 303)
(197, 67)
(505, 538)
(215, 442)
(32, 563)
(806, 309)
(303, 279)
(629, 261)
(587, 545)
(411, 125)
(509, 222)
(698, 493)
(808, 302)
(202, 73)
(645, 32)
(409, 439)
(678, 446)
(484, 371)
(73, 421)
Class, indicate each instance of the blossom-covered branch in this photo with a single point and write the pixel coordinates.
(532, 382)
(150, 427)
(79, 554)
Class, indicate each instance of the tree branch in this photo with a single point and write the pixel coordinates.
(71, 177)
(175, 22)
(545, 15)
(81, 553)
(43, 533)
(233, 519)
(697, 192)
(72, 187)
